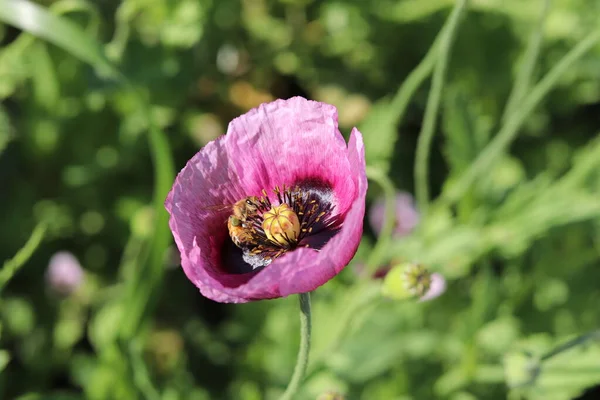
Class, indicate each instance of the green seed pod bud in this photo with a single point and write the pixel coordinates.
(281, 225)
(405, 281)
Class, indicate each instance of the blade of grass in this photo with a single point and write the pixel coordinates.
(525, 73)
(433, 103)
(12, 266)
(61, 32)
(510, 129)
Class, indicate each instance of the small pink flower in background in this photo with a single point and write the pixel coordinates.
(64, 274)
(436, 288)
(299, 191)
(407, 216)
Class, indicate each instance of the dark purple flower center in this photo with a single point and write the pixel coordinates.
(313, 207)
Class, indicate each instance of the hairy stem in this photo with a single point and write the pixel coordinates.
(525, 73)
(302, 360)
(415, 79)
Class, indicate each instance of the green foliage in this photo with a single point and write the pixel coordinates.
(5, 129)
(101, 102)
(556, 375)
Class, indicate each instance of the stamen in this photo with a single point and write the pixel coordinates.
(271, 231)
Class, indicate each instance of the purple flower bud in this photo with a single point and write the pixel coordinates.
(64, 274)
(407, 216)
(436, 288)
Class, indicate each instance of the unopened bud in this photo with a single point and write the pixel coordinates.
(281, 225)
(64, 274)
(436, 289)
(405, 281)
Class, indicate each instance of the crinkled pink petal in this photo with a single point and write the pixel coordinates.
(208, 179)
(287, 141)
(284, 142)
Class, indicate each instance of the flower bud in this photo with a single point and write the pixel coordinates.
(64, 274)
(436, 289)
(406, 280)
(281, 225)
(406, 216)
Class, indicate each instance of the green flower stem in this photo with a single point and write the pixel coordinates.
(417, 76)
(10, 267)
(385, 236)
(570, 344)
(302, 360)
(511, 128)
(412, 82)
(525, 73)
(536, 364)
(433, 104)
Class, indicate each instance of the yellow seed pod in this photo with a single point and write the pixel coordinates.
(281, 225)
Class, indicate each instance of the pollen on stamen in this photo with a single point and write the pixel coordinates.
(277, 229)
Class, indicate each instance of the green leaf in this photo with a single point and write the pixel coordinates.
(46, 88)
(13, 64)
(59, 31)
(4, 359)
(395, 331)
(562, 374)
(5, 129)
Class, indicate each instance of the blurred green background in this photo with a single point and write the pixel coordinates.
(98, 96)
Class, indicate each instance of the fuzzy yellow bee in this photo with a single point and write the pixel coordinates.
(237, 223)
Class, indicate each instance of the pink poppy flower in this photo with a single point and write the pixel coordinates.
(407, 216)
(303, 201)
